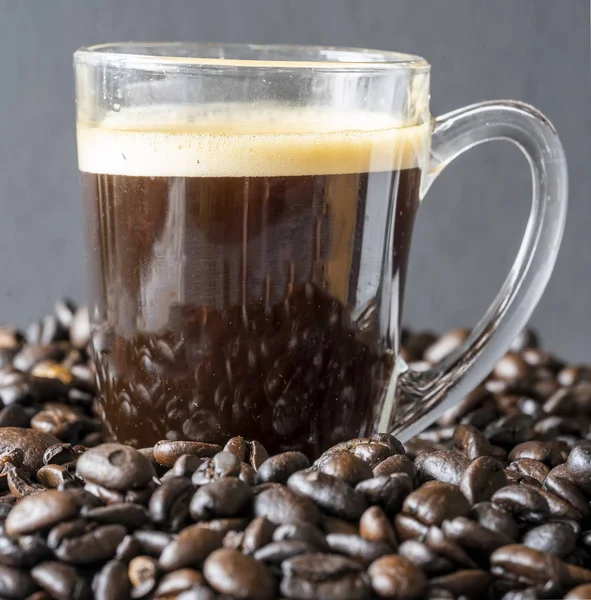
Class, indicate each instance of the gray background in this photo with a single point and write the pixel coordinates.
(470, 224)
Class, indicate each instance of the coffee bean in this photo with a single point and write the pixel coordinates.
(179, 581)
(111, 582)
(15, 583)
(423, 557)
(230, 572)
(39, 512)
(225, 525)
(375, 526)
(510, 430)
(32, 444)
(473, 536)
(445, 345)
(579, 467)
(545, 452)
(153, 542)
(167, 453)
(61, 581)
(388, 491)
(116, 467)
(408, 528)
(531, 566)
(97, 545)
(169, 504)
(226, 497)
(394, 576)
(278, 468)
(580, 592)
(436, 540)
(396, 464)
(238, 446)
(282, 506)
(346, 466)
(511, 367)
(468, 583)
(435, 501)
(331, 494)
(142, 572)
(558, 482)
(257, 534)
(357, 547)
(531, 468)
(558, 539)
(470, 442)
(496, 519)
(443, 465)
(331, 576)
(482, 478)
(277, 552)
(190, 548)
(304, 532)
(257, 454)
(524, 501)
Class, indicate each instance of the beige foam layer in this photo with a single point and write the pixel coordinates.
(262, 142)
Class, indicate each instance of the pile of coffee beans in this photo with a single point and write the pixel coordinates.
(493, 502)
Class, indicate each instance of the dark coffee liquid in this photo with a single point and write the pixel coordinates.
(257, 306)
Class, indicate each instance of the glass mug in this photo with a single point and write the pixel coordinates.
(249, 214)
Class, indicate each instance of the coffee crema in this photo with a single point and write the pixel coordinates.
(235, 257)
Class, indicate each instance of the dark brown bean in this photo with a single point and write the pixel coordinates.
(375, 526)
(482, 478)
(394, 576)
(190, 548)
(470, 442)
(436, 501)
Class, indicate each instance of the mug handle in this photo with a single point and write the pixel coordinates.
(423, 397)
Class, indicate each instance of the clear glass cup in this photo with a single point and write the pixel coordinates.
(249, 214)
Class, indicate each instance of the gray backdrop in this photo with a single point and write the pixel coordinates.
(468, 228)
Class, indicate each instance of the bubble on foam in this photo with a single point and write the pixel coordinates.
(232, 141)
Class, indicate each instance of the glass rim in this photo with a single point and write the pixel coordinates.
(147, 55)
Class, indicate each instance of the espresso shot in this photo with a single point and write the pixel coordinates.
(243, 268)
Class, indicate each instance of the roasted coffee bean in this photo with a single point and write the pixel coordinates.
(283, 506)
(226, 497)
(579, 467)
(408, 528)
(59, 454)
(394, 576)
(388, 491)
(558, 482)
(169, 504)
(166, 452)
(131, 515)
(336, 525)
(445, 345)
(331, 494)
(470, 442)
(346, 466)
(496, 519)
(396, 464)
(473, 536)
(304, 532)
(436, 501)
(510, 430)
(280, 467)
(190, 548)
(238, 446)
(277, 552)
(482, 478)
(423, 557)
(13, 416)
(357, 547)
(52, 476)
(23, 551)
(558, 539)
(153, 542)
(524, 501)
(186, 465)
(443, 465)
(531, 468)
(111, 582)
(179, 581)
(39, 512)
(546, 452)
(375, 526)
(531, 566)
(467, 583)
(61, 581)
(232, 573)
(98, 545)
(15, 583)
(257, 454)
(257, 534)
(437, 541)
(116, 467)
(32, 443)
(68, 529)
(324, 576)
(142, 572)
(224, 525)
